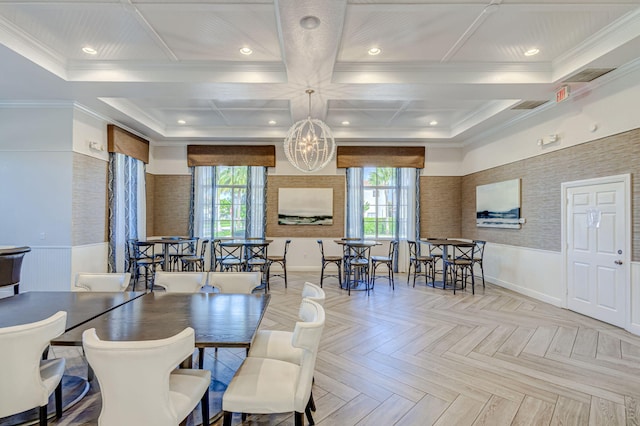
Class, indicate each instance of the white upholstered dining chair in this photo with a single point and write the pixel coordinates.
(235, 282)
(27, 379)
(277, 344)
(180, 282)
(265, 386)
(139, 381)
(90, 281)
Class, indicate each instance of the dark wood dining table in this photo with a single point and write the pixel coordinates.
(81, 307)
(219, 320)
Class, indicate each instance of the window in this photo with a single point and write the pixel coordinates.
(380, 207)
(382, 202)
(229, 201)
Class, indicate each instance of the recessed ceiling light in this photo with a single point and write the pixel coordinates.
(182, 122)
(310, 22)
(433, 123)
(345, 123)
(89, 50)
(272, 122)
(532, 51)
(374, 51)
(246, 51)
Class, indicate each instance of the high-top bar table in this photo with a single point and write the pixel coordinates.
(444, 245)
(167, 242)
(355, 248)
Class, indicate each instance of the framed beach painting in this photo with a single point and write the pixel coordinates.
(498, 204)
(305, 206)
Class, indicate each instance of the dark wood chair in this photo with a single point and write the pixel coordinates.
(328, 260)
(195, 262)
(280, 260)
(417, 261)
(388, 260)
(143, 257)
(11, 266)
(478, 255)
(460, 266)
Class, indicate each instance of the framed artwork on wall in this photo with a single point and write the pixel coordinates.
(305, 206)
(498, 205)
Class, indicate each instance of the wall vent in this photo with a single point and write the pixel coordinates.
(529, 104)
(587, 75)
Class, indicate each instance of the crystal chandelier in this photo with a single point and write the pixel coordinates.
(309, 145)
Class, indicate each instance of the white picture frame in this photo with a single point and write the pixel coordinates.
(498, 205)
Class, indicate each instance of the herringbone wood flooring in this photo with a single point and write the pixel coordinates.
(422, 356)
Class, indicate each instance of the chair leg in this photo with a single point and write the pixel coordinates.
(321, 274)
(473, 283)
(43, 415)
(200, 358)
(299, 418)
(58, 399)
(307, 411)
(312, 403)
(284, 266)
(226, 418)
(204, 402)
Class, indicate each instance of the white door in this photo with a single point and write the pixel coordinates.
(597, 249)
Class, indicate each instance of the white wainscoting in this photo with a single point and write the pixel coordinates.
(46, 269)
(534, 273)
(634, 303)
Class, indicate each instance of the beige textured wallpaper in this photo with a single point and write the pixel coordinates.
(151, 197)
(171, 194)
(541, 179)
(89, 200)
(440, 209)
(334, 231)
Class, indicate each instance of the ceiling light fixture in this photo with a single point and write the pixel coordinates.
(89, 50)
(310, 22)
(345, 123)
(182, 122)
(374, 51)
(272, 122)
(433, 123)
(531, 52)
(309, 145)
(246, 51)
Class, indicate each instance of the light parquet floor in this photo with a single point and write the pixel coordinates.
(422, 356)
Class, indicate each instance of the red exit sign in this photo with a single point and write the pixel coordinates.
(562, 93)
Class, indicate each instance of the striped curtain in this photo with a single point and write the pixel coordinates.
(355, 203)
(127, 208)
(256, 202)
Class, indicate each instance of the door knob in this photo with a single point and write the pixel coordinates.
(618, 262)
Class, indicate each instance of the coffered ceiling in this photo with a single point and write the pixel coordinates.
(447, 70)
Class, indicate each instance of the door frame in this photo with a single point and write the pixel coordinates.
(626, 258)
